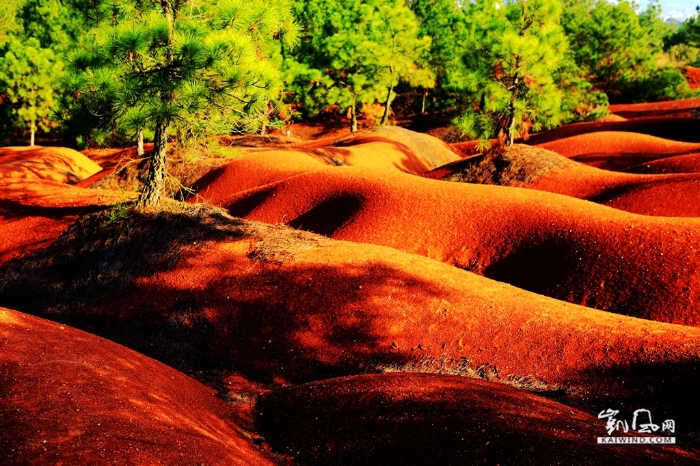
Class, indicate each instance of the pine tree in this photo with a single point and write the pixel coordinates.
(515, 49)
(353, 52)
(197, 67)
(401, 50)
(28, 77)
(448, 27)
(619, 50)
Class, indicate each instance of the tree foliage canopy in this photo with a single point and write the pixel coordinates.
(200, 68)
(354, 52)
(29, 76)
(515, 49)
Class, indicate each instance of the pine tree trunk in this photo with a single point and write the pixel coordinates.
(156, 171)
(387, 107)
(139, 143)
(353, 115)
(31, 138)
(511, 112)
(153, 186)
(422, 106)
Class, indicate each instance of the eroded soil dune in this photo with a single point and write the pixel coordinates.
(197, 289)
(46, 163)
(438, 419)
(677, 129)
(553, 245)
(69, 397)
(617, 150)
(673, 195)
(672, 108)
(33, 214)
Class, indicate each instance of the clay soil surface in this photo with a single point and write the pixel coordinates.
(376, 298)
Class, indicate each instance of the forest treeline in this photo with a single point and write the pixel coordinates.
(115, 71)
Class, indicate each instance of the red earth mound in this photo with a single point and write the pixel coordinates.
(437, 419)
(69, 397)
(612, 117)
(536, 168)
(692, 74)
(557, 246)
(616, 150)
(34, 213)
(674, 108)
(112, 156)
(46, 163)
(688, 163)
(270, 301)
(677, 129)
(384, 148)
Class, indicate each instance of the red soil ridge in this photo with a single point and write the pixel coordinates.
(438, 419)
(293, 305)
(675, 108)
(558, 246)
(677, 129)
(34, 213)
(617, 149)
(46, 163)
(672, 195)
(69, 397)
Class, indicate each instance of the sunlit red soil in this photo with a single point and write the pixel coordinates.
(618, 150)
(554, 245)
(485, 303)
(669, 195)
(673, 108)
(45, 163)
(677, 129)
(33, 214)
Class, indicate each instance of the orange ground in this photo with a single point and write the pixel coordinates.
(677, 129)
(554, 245)
(673, 108)
(670, 195)
(69, 397)
(283, 307)
(34, 213)
(45, 163)
(437, 419)
(688, 163)
(615, 150)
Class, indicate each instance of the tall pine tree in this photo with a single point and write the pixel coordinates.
(354, 52)
(29, 76)
(200, 67)
(515, 49)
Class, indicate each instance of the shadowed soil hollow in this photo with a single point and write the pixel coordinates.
(436, 419)
(198, 290)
